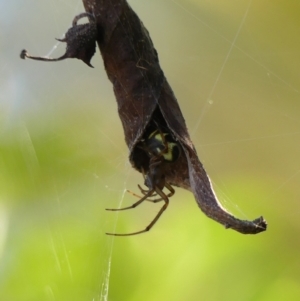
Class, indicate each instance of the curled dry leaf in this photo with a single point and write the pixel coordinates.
(146, 101)
(155, 131)
(80, 39)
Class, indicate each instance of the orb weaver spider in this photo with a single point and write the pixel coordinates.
(161, 148)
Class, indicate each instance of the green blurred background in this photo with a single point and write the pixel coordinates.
(234, 67)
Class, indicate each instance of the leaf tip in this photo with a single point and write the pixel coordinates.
(23, 54)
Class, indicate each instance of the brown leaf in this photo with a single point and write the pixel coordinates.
(80, 39)
(146, 101)
(147, 108)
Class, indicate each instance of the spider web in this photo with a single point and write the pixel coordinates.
(241, 104)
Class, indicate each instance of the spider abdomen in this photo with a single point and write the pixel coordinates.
(163, 145)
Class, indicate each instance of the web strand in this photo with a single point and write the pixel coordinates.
(232, 45)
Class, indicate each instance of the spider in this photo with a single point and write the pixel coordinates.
(161, 148)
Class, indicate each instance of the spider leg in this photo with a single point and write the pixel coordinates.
(168, 186)
(171, 189)
(162, 209)
(150, 192)
(143, 191)
(138, 196)
(148, 200)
